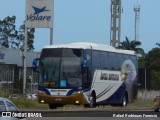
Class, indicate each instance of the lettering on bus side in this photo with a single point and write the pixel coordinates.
(109, 76)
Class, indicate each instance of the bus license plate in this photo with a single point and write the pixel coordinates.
(58, 99)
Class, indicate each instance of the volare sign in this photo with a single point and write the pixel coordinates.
(38, 17)
(39, 13)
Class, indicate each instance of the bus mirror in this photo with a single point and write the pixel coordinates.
(35, 64)
(84, 65)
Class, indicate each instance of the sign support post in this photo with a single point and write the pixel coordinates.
(51, 36)
(39, 14)
(25, 66)
(51, 30)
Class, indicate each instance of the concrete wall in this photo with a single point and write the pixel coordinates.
(150, 95)
(14, 56)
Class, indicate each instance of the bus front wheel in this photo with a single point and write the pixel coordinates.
(156, 109)
(92, 102)
(52, 106)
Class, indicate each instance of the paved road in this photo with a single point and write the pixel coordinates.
(90, 118)
(97, 115)
(101, 113)
(90, 114)
(94, 114)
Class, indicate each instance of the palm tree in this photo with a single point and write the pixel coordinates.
(132, 45)
(158, 44)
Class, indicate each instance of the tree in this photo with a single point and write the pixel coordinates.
(30, 37)
(158, 44)
(152, 56)
(8, 32)
(12, 38)
(152, 59)
(132, 45)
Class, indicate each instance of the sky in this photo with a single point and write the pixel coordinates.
(89, 21)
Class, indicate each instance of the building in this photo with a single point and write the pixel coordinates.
(11, 67)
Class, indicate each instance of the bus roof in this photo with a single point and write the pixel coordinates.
(87, 45)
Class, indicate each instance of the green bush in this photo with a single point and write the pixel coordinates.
(4, 93)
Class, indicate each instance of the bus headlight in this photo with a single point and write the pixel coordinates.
(41, 92)
(42, 101)
(76, 92)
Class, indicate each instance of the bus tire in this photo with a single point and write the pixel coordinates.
(156, 110)
(92, 103)
(52, 106)
(124, 100)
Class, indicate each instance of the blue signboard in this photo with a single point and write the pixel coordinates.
(63, 83)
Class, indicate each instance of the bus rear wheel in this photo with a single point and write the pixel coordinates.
(124, 101)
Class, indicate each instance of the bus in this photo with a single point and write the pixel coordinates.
(86, 73)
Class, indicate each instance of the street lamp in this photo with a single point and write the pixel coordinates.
(22, 69)
(31, 83)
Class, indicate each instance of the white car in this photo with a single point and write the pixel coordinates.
(13, 96)
(32, 96)
(6, 110)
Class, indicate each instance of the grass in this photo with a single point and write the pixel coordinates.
(22, 102)
(136, 105)
(141, 104)
(4, 93)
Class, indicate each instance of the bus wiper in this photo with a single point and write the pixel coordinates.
(50, 80)
(65, 76)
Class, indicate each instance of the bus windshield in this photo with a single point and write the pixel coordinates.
(60, 68)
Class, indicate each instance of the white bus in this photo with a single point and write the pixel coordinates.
(86, 73)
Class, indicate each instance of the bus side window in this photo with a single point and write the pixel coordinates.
(104, 60)
(112, 63)
(96, 63)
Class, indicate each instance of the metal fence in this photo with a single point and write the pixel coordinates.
(9, 74)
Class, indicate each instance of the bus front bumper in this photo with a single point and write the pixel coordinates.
(62, 100)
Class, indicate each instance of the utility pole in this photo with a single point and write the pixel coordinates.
(36, 21)
(137, 21)
(25, 57)
(115, 30)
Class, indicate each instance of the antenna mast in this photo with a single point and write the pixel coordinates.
(137, 21)
(115, 23)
